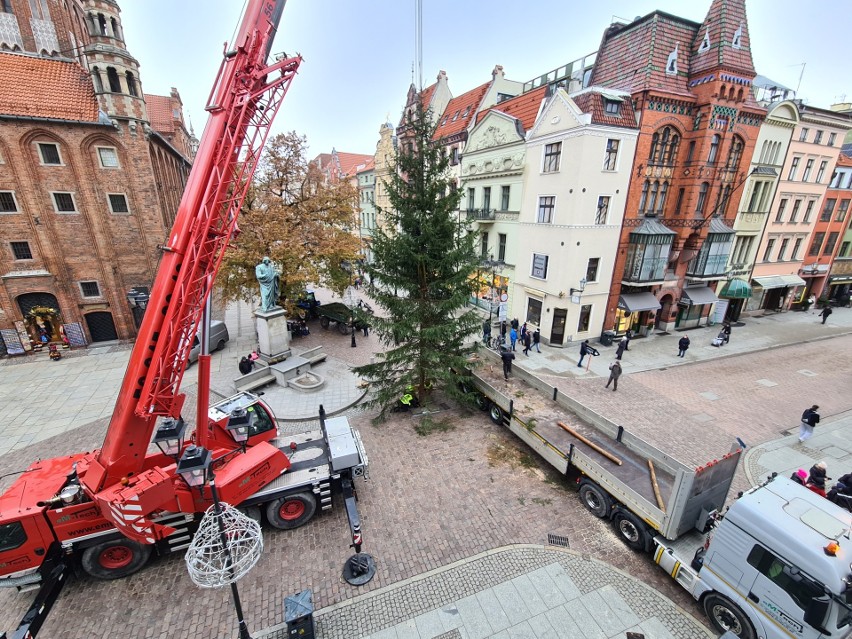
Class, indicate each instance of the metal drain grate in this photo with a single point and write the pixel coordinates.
(557, 540)
(452, 634)
(635, 635)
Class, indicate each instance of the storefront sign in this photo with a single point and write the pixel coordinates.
(539, 267)
(12, 341)
(74, 333)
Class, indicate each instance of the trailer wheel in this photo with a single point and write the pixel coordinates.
(631, 530)
(291, 511)
(115, 559)
(343, 327)
(482, 402)
(496, 414)
(726, 616)
(595, 499)
(324, 322)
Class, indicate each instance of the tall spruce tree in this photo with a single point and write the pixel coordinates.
(422, 276)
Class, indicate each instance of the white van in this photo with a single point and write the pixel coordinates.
(218, 337)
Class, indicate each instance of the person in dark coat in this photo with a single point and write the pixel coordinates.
(816, 480)
(683, 345)
(825, 313)
(726, 332)
(584, 350)
(622, 346)
(527, 343)
(507, 356)
(486, 332)
(629, 336)
(536, 340)
(245, 365)
(614, 374)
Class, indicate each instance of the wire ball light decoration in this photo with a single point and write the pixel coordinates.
(212, 565)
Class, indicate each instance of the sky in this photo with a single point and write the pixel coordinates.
(358, 55)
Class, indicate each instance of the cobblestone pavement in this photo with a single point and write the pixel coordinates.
(433, 501)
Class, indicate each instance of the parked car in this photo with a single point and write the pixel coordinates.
(218, 337)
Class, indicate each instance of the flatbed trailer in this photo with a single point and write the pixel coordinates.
(623, 493)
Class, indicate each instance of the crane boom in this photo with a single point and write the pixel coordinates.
(242, 106)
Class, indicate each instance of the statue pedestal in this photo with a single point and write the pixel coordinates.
(272, 335)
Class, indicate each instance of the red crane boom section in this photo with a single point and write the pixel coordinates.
(242, 106)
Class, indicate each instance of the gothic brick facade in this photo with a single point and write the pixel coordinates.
(89, 186)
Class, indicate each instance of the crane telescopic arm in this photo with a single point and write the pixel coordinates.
(242, 105)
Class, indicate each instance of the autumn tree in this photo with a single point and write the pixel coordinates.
(422, 276)
(298, 219)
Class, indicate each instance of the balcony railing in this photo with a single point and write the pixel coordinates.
(481, 215)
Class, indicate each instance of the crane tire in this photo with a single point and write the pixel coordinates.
(115, 559)
(291, 511)
(631, 530)
(595, 499)
(726, 616)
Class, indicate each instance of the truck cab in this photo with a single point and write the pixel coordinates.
(778, 565)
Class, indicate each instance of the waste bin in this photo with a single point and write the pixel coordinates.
(299, 615)
(607, 337)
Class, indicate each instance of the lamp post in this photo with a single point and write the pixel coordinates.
(196, 469)
(582, 288)
(495, 266)
(349, 297)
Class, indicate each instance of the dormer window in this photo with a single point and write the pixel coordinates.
(736, 43)
(466, 111)
(671, 63)
(612, 107)
(446, 117)
(705, 43)
(455, 116)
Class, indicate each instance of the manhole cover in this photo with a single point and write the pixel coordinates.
(557, 540)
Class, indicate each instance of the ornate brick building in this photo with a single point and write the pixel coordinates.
(91, 171)
(691, 90)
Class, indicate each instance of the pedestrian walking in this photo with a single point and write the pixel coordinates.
(527, 343)
(826, 311)
(622, 346)
(810, 302)
(366, 328)
(513, 337)
(536, 340)
(507, 356)
(726, 332)
(503, 329)
(614, 374)
(629, 335)
(523, 331)
(584, 350)
(810, 418)
(486, 332)
(683, 345)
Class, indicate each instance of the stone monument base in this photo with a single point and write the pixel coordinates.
(272, 335)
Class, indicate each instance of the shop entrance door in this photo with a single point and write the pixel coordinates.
(557, 331)
(101, 326)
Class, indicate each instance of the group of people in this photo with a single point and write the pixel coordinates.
(529, 339)
(816, 478)
(246, 364)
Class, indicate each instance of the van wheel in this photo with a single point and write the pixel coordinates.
(725, 616)
(115, 559)
(496, 414)
(595, 499)
(291, 511)
(631, 530)
(220, 345)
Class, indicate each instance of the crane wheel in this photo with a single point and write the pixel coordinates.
(115, 559)
(291, 511)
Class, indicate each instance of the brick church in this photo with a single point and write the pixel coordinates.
(91, 173)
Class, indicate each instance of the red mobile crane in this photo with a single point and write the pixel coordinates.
(111, 507)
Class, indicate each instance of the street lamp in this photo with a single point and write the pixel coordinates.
(169, 436)
(196, 469)
(350, 302)
(582, 288)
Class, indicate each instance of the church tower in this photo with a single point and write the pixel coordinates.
(115, 73)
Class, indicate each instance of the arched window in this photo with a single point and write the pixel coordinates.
(702, 198)
(664, 145)
(652, 201)
(96, 78)
(671, 152)
(116, 30)
(740, 95)
(655, 142)
(644, 197)
(661, 202)
(723, 92)
(735, 154)
(131, 84)
(714, 149)
(102, 25)
(112, 78)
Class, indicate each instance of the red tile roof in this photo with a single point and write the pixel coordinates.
(844, 160)
(351, 163)
(633, 57)
(593, 102)
(723, 20)
(523, 107)
(426, 96)
(460, 112)
(371, 164)
(160, 113)
(43, 88)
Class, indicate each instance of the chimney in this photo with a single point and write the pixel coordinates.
(498, 71)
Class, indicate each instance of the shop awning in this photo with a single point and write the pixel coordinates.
(635, 302)
(792, 280)
(770, 281)
(736, 289)
(699, 295)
